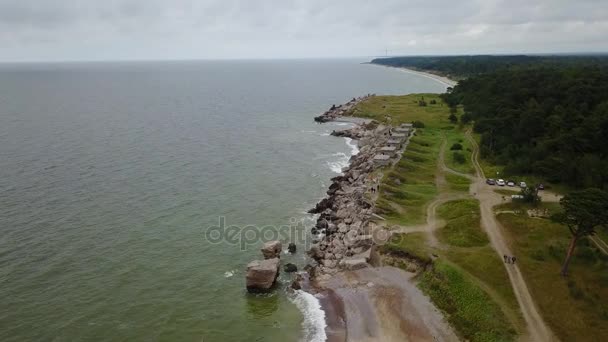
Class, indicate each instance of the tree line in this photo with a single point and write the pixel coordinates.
(543, 120)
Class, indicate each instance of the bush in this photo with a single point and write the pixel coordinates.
(459, 158)
(456, 147)
(433, 101)
(453, 118)
(422, 103)
(418, 124)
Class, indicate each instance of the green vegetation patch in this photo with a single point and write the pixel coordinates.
(413, 244)
(407, 189)
(405, 109)
(462, 227)
(468, 308)
(457, 183)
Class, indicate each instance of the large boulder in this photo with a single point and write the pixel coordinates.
(262, 274)
(272, 249)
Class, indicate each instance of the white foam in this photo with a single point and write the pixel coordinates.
(338, 165)
(228, 274)
(354, 147)
(313, 324)
(324, 134)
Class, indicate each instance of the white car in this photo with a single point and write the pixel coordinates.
(500, 182)
(523, 185)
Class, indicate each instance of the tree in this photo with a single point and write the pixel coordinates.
(465, 118)
(530, 195)
(584, 211)
(459, 158)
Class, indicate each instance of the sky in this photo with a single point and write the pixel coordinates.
(84, 30)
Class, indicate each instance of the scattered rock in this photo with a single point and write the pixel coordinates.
(291, 248)
(290, 268)
(272, 249)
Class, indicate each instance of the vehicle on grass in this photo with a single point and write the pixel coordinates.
(490, 181)
(541, 186)
(517, 197)
(510, 183)
(522, 185)
(500, 182)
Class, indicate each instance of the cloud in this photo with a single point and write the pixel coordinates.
(184, 29)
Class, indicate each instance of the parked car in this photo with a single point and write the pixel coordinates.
(490, 181)
(541, 186)
(510, 183)
(522, 185)
(517, 197)
(500, 182)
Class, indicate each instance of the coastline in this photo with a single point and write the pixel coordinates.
(361, 299)
(448, 82)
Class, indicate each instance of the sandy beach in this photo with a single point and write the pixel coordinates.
(441, 79)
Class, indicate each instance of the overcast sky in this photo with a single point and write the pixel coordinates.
(51, 30)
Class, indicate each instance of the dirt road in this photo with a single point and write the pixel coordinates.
(537, 330)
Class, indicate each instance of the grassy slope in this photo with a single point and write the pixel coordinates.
(470, 284)
(575, 307)
(410, 185)
(469, 249)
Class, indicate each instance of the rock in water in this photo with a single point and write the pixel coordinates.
(291, 248)
(290, 268)
(272, 249)
(262, 274)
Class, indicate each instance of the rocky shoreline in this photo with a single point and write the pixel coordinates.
(344, 232)
(344, 109)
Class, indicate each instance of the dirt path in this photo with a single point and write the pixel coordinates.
(537, 330)
(432, 222)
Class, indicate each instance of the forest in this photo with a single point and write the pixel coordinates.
(543, 119)
(459, 67)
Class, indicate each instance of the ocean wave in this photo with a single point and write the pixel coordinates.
(337, 165)
(354, 146)
(313, 324)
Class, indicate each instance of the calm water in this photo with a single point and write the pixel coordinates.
(110, 174)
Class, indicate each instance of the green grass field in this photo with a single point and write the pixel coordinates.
(471, 310)
(405, 109)
(576, 307)
(407, 189)
(453, 137)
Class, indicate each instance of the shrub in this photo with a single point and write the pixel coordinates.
(453, 118)
(459, 158)
(456, 147)
(418, 124)
(433, 101)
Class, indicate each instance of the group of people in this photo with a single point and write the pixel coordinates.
(375, 188)
(509, 259)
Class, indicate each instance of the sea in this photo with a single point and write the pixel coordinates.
(125, 189)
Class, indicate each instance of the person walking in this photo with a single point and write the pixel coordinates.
(505, 258)
(513, 260)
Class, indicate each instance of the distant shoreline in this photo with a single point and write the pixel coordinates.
(441, 79)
